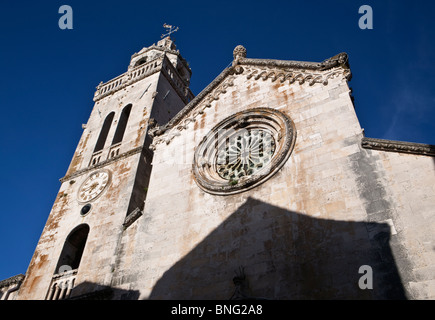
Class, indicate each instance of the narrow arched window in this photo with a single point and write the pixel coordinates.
(73, 248)
(104, 132)
(122, 124)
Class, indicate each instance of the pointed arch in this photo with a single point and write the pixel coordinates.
(104, 132)
(122, 124)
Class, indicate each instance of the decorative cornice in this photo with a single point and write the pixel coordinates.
(101, 164)
(138, 73)
(398, 146)
(295, 75)
(127, 78)
(292, 71)
(12, 280)
(132, 217)
(339, 60)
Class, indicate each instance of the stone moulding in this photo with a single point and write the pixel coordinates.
(258, 69)
(101, 164)
(340, 60)
(12, 280)
(398, 146)
(132, 217)
(126, 79)
(294, 75)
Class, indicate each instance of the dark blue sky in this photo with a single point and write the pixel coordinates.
(48, 76)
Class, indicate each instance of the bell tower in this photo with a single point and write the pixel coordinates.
(105, 187)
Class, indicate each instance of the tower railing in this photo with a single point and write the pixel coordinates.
(140, 72)
(129, 77)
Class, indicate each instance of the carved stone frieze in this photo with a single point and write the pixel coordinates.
(101, 164)
(12, 280)
(258, 69)
(398, 146)
(295, 75)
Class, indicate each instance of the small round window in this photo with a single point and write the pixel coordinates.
(85, 209)
(243, 151)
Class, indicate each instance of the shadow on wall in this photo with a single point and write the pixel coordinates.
(285, 255)
(93, 291)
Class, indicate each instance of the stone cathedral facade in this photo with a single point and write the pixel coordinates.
(263, 186)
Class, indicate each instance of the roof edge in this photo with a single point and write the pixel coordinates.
(398, 146)
(159, 130)
(339, 60)
(12, 280)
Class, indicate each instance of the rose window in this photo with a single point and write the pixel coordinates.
(245, 154)
(243, 151)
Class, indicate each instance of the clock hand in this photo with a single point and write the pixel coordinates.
(91, 187)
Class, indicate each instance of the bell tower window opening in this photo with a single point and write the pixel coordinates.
(141, 62)
(66, 270)
(73, 248)
(122, 125)
(104, 132)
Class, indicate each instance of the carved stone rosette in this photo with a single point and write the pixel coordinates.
(243, 151)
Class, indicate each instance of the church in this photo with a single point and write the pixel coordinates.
(263, 186)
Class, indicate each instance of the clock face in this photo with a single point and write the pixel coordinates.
(93, 186)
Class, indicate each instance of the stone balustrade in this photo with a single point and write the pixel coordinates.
(61, 285)
(127, 78)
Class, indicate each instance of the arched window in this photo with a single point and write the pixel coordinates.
(122, 124)
(73, 248)
(104, 132)
(141, 61)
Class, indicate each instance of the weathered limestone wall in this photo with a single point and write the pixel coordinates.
(105, 222)
(303, 233)
(130, 170)
(141, 96)
(411, 192)
(167, 101)
(108, 213)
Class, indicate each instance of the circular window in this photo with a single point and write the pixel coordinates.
(243, 151)
(85, 209)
